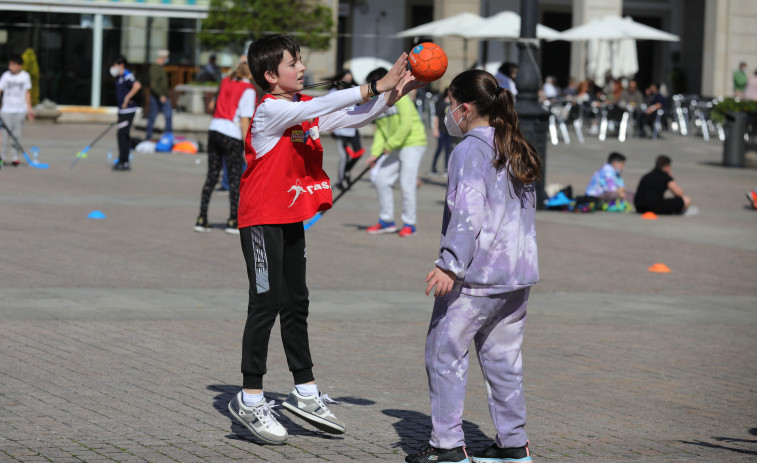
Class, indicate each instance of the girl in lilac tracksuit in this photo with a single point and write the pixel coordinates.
(486, 266)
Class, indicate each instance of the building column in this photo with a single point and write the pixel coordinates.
(729, 37)
(583, 12)
(97, 60)
(461, 54)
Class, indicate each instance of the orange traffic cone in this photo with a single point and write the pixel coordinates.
(649, 216)
(659, 268)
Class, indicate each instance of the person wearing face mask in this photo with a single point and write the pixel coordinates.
(399, 144)
(487, 264)
(127, 87)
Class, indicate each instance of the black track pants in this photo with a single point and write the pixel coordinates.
(124, 136)
(276, 257)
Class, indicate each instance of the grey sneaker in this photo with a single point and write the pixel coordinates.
(313, 409)
(259, 420)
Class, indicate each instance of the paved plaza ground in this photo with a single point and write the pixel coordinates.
(120, 338)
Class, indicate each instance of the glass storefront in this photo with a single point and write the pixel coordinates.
(63, 45)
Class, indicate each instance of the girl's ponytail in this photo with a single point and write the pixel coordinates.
(514, 152)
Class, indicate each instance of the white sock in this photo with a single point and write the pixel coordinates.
(251, 399)
(306, 389)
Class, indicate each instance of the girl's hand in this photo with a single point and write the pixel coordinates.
(443, 279)
(394, 76)
(407, 85)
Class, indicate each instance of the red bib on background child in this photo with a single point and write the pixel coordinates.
(287, 184)
(228, 99)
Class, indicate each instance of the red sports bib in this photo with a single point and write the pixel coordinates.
(287, 184)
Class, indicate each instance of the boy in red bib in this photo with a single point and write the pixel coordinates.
(283, 185)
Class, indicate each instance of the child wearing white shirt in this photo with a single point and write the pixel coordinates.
(15, 86)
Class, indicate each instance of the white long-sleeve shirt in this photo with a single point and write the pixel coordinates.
(334, 110)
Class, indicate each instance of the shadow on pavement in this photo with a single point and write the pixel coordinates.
(723, 447)
(414, 430)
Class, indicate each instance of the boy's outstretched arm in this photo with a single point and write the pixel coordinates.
(405, 86)
(391, 79)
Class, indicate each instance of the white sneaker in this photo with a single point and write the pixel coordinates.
(691, 210)
(313, 409)
(259, 419)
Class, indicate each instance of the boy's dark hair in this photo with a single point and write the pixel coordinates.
(120, 59)
(615, 156)
(662, 161)
(16, 58)
(376, 74)
(265, 54)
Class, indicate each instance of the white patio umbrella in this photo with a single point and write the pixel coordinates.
(615, 28)
(447, 27)
(504, 25)
(616, 57)
(612, 45)
(625, 61)
(598, 60)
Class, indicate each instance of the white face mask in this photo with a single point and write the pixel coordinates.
(114, 71)
(453, 127)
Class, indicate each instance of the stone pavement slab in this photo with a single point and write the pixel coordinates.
(120, 338)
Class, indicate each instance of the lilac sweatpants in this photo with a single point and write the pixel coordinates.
(496, 325)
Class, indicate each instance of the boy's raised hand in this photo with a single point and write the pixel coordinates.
(406, 85)
(394, 76)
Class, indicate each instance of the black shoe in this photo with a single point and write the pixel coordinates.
(430, 454)
(202, 225)
(122, 166)
(493, 453)
(232, 228)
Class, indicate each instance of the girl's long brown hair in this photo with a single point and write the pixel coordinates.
(481, 89)
(242, 71)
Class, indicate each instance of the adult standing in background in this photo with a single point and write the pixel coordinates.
(739, 80)
(159, 101)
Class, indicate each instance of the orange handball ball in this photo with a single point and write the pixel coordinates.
(428, 62)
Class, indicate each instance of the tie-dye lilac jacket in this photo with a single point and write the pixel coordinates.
(488, 234)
